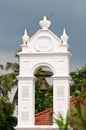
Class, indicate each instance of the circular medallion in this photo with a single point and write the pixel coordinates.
(43, 44)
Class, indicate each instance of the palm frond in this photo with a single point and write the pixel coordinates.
(1, 66)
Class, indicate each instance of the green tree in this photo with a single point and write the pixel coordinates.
(78, 114)
(78, 81)
(1, 66)
(7, 120)
(14, 68)
(78, 89)
(7, 82)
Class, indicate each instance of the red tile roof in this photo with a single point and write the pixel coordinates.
(43, 118)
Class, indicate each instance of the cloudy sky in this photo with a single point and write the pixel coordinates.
(16, 15)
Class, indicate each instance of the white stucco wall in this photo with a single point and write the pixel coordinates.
(48, 50)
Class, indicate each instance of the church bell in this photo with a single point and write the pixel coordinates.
(43, 84)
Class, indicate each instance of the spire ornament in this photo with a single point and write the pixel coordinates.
(45, 24)
(64, 37)
(25, 37)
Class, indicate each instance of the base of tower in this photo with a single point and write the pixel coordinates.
(38, 127)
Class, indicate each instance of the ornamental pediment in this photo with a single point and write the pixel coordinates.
(44, 41)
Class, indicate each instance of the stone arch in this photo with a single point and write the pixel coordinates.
(41, 64)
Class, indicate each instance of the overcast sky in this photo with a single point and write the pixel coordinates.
(16, 15)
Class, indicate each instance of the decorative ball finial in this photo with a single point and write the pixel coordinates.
(25, 37)
(64, 37)
(45, 24)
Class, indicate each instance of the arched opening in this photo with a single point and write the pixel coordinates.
(43, 96)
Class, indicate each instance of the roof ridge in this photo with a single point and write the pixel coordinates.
(44, 111)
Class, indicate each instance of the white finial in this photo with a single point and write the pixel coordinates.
(25, 37)
(45, 24)
(44, 18)
(25, 32)
(64, 37)
(64, 31)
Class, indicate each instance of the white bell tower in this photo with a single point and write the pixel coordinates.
(44, 48)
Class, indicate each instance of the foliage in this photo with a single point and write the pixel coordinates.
(7, 82)
(13, 66)
(61, 123)
(78, 88)
(78, 117)
(78, 81)
(43, 100)
(7, 121)
(1, 67)
(42, 72)
(79, 120)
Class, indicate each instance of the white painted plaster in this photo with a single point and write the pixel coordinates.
(48, 50)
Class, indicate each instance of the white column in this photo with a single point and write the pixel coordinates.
(60, 96)
(26, 103)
